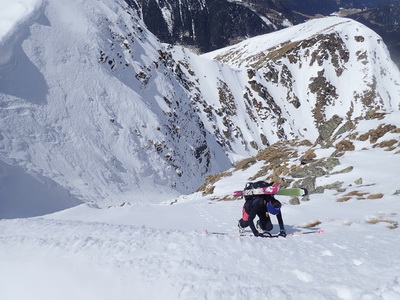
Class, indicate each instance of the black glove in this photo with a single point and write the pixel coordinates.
(282, 232)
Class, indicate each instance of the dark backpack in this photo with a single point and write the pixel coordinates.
(250, 197)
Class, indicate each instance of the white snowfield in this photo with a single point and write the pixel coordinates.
(62, 249)
(161, 252)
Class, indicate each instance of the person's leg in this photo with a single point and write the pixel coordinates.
(265, 222)
(243, 223)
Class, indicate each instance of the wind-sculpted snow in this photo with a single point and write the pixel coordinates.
(15, 15)
(26, 81)
(97, 260)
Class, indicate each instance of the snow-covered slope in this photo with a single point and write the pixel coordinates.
(154, 251)
(78, 108)
(98, 261)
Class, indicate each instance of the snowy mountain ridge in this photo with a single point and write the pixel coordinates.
(330, 53)
(93, 102)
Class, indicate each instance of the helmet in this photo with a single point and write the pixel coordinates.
(274, 207)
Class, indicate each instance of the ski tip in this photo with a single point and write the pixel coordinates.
(237, 193)
(320, 230)
(305, 191)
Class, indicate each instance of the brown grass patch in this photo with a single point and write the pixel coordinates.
(359, 195)
(312, 224)
(386, 144)
(226, 198)
(306, 143)
(275, 157)
(208, 187)
(356, 193)
(344, 146)
(281, 50)
(245, 163)
(374, 134)
(343, 199)
(393, 224)
(308, 156)
(375, 196)
(276, 153)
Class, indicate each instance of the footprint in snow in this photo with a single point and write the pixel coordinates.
(302, 276)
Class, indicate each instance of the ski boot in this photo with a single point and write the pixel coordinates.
(260, 230)
(241, 229)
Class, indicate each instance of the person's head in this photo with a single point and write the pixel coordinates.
(274, 206)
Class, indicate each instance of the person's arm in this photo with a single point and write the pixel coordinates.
(282, 231)
(280, 221)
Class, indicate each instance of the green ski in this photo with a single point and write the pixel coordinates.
(292, 192)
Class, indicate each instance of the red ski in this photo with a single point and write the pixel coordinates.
(273, 189)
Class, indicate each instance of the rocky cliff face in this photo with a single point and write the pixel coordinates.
(208, 25)
(203, 25)
(382, 16)
(384, 20)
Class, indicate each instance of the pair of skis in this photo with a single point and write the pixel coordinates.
(276, 235)
(272, 190)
